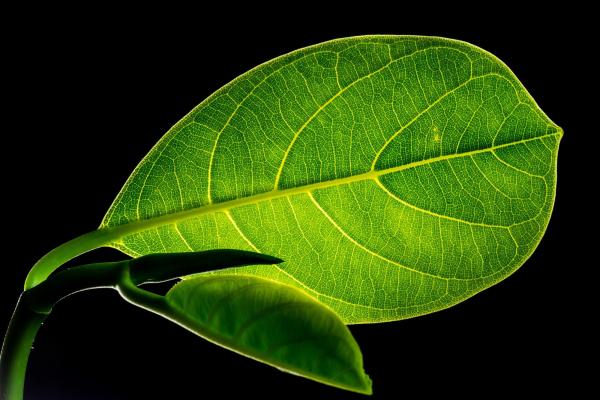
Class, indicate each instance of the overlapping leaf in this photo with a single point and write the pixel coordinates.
(273, 323)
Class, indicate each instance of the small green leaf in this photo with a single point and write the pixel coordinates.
(164, 266)
(273, 323)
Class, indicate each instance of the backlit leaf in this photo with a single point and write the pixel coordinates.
(273, 323)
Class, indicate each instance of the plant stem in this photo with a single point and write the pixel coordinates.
(65, 252)
(32, 309)
(35, 304)
(18, 341)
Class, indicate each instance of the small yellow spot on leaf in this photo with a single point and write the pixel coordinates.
(436, 135)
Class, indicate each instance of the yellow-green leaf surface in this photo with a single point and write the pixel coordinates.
(395, 175)
(273, 323)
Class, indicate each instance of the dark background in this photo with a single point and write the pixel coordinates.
(88, 99)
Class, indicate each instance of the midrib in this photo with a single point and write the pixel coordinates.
(120, 231)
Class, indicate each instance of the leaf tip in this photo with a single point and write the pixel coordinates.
(271, 259)
(367, 386)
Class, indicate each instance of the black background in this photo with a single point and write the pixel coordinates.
(88, 99)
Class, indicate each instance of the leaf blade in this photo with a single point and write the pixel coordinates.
(305, 200)
(273, 323)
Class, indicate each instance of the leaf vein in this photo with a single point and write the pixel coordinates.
(361, 246)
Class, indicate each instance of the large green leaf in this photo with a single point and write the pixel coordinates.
(396, 175)
(273, 323)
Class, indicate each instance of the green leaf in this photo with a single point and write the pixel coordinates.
(273, 323)
(396, 175)
(166, 266)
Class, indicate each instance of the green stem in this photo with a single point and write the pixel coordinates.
(21, 332)
(32, 309)
(36, 303)
(76, 279)
(65, 252)
(140, 297)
